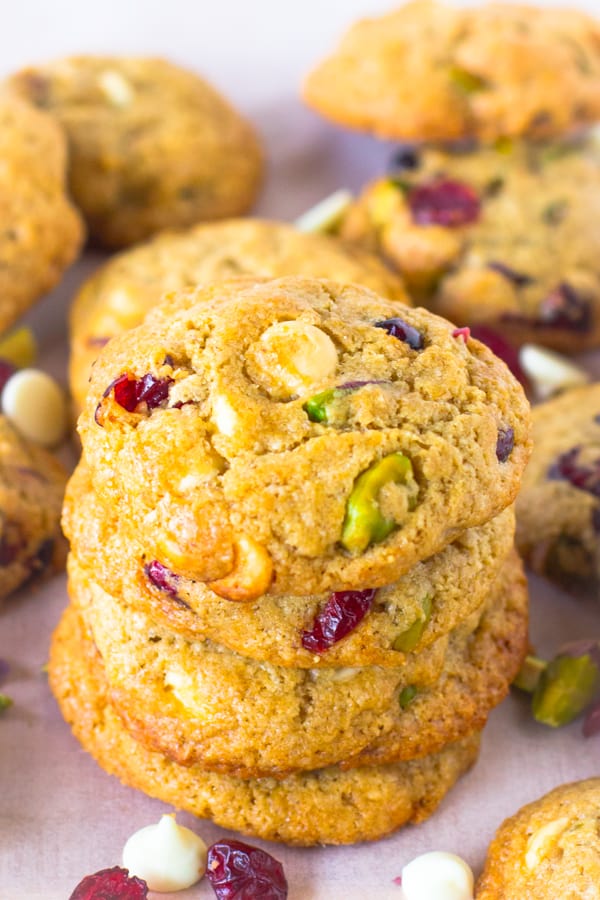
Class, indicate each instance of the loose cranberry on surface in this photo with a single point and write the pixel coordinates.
(503, 349)
(400, 329)
(444, 202)
(238, 871)
(110, 884)
(568, 468)
(341, 614)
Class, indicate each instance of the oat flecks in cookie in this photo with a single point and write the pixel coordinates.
(490, 71)
(227, 459)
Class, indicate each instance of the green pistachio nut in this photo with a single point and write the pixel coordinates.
(319, 407)
(409, 639)
(5, 702)
(466, 81)
(407, 695)
(364, 523)
(566, 686)
(530, 673)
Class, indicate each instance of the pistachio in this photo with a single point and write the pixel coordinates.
(529, 674)
(541, 842)
(319, 407)
(325, 217)
(364, 523)
(409, 639)
(565, 688)
(407, 695)
(19, 347)
(466, 81)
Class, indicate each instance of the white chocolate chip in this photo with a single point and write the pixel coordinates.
(541, 841)
(326, 214)
(437, 876)
(298, 355)
(550, 372)
(224, 416)
(167, 856)
(115, 87)
(36, 406)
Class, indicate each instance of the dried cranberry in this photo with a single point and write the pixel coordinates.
(6, 370)
(153, 391)
(111, 884)
(400, 329)
(564, 308)
(4, 669)
(591, 723)
(129, 392)
(505, 443)
(124, 389)
(161, 577)
(44, 556)
(444, 202)
(97, 341)
(354, 385)
(519, 279)
(584, 477)
(340, 615)
(464, 333)
(238, 871)
(10, 545)
(405, 157)
(501, 347)
(596, 519)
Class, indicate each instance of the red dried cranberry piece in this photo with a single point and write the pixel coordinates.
(341, 614)
(124, 389)
(567, 468)
(153, 391)
(111, 884)
(161, 577)
(354, 385)
(129, 392)
(238, 871)
(400, 329)
(591, 723)
(444, 202)
(519, 279)
(6, 370)
(501, 347)
(464, 333)
(564, 308)
(505, 443)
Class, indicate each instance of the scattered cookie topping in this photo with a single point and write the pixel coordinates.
(167, 856)
(437, 876)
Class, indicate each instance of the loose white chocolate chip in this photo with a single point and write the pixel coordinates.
(34, 403)
(437, 876)
(297, 355)
(115, 87)
(167, 856)
(550, 372)
(326, 214)
(541, 841)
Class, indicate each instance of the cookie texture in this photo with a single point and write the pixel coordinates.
(41, 233)
(558, 511)
(151, 145)
(411, 614)
(32, 484)
(119, 295)
(549, 849)
(503, 235)
(326, 806)
(492, 71)
(277, 437)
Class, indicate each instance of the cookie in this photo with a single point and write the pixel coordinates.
(42, 232)
(558, 511)
(409, 615)
(238, 434)
(118, 296)
(32, 484)
(322, 807)
(504, 236)
(196, 702)
(151, 145)
(428, 71)
(549, 849)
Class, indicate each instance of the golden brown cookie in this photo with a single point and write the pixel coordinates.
(32, 483)
(322, 807)
(297, 436)
(558, 511)
(41, 232)
(550, 849)
(119, 295)
(151, 145)
(431, 71)
(409, 615)
(504, 236)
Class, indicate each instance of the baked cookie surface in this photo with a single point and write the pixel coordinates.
(548, 849)
(504, 236)
(196, 702)
(327, 806)
(41, 233)
(151, 145)
(407, 616)
(491, 71)
(558, 511)
(277, 437)
(120, 294)
(32, 484)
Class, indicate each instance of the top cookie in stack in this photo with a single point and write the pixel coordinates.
(489, 211)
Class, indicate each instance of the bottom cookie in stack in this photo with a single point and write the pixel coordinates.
(327, 806)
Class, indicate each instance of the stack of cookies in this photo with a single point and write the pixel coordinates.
(294, 594)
